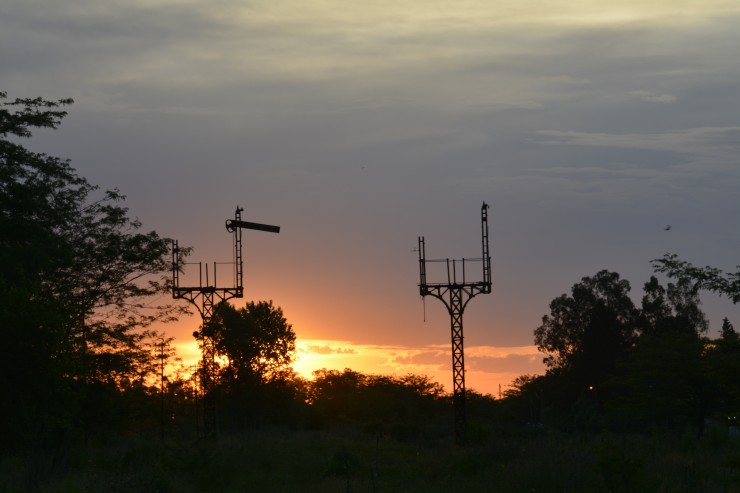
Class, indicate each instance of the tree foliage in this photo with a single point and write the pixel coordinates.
(728, 330)
(610, 363)
(677, 306)
(76, 281)
(257, 341)
(588, 330)
(400, 406)
(708, 278)
(663, 381)
(257, 382)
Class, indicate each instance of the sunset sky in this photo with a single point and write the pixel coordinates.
(357, 126)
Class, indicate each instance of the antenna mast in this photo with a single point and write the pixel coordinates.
(207, 296)
(455, 294)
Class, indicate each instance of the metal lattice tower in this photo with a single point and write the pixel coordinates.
(205, 297)
(455, 294)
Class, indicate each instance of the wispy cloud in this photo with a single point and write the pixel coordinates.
(721, 143)
(652, 97)
(325, 349)
(162, 53)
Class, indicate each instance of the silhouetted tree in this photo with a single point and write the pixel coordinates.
(723, 366)
(728, 331)
(258, 344)
(399, 406)
(335, 393)
(655, 306)
(686, 305)
(525, 399)
(34, 324)
(588, 331)
(662, 382)
(721, 355)
(640, 369)
(661, 306)
(75, 287)
(257, 341)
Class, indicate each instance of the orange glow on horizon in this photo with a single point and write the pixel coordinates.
(489, 370)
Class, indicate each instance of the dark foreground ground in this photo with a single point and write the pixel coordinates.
(341, 460)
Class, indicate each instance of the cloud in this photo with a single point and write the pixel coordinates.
(512, 363)
(184, 55)
(490, 359)
(653, 98)
(326, 350)
(721, 143)
(422, 357)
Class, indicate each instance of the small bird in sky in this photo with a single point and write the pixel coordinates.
(667, 228)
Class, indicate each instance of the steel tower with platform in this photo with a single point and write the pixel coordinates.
(456, 293)
(205, 297)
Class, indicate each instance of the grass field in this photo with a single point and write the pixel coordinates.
(346, 460)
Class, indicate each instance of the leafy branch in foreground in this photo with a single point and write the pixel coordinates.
(708, 278)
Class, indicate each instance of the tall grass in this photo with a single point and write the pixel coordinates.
(348, 460)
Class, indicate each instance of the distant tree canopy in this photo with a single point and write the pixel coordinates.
(401, 406)
(77, 279)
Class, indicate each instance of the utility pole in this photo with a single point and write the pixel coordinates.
(195, 381)
(161, 388)
(455, 294)
(206, 297)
